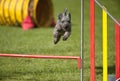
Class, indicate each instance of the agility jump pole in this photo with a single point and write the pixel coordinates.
(92, 40)
(82, 41)
(117, 41)
(105, 44)
(44, 57)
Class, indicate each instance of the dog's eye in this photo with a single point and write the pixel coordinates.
(69, 21)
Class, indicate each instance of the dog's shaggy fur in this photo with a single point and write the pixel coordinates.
(62, 27)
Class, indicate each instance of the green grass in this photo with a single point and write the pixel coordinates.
(40, 41)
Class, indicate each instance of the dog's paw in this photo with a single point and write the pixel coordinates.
(55, 42)
(65, 38)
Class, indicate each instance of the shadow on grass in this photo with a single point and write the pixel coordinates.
(111, 69)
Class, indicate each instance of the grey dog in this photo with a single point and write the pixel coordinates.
(62, 27)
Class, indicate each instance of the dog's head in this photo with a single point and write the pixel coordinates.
(65, 19)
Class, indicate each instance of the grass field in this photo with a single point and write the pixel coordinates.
(40, 41)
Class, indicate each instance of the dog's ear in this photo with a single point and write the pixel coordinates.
(69, 15)
(60, 16)
(65, 11)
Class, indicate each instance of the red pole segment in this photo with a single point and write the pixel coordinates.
(44, 57)
(92, 41)
(117, 41)
(38, 56)
(79, 63)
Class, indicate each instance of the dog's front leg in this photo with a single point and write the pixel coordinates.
(56, 37)
(66, 35)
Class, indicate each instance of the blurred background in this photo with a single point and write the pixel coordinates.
(39, 18)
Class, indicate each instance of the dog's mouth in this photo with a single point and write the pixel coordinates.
(65, 27)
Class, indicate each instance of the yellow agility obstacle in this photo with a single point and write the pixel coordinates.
(13, 12)
(105, 45)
